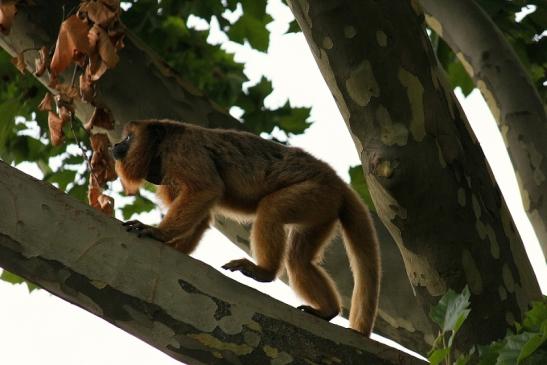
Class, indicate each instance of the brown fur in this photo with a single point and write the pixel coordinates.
(204, 171)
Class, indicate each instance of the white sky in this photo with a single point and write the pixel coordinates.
(39, 328)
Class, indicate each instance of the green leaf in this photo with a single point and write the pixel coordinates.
(488, 354)
(464, 359)
(16, 279)
(140, 205)
(359, 184)
(509, 353)
(62, 177)
(293, 27)
(457, 76)
(293, 120)
(536, 316)
(255, 8)
(452, 310)
(438, 355)
(251, 29)
(531, 346)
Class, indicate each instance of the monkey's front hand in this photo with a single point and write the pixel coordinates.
(143, 230)
(251, 270)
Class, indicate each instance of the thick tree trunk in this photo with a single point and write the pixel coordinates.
(173, 302)
(141, 86)
(427, 175)
(509, 92)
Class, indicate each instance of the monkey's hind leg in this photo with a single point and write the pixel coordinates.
(306, 277)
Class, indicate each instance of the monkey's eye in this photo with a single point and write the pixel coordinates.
(128, 137)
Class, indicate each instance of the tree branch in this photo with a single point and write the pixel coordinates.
(428, 178)
(508, 91)
(177, 304)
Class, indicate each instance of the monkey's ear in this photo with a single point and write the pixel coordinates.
(157, 132)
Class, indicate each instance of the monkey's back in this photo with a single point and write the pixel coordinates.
(252, 167)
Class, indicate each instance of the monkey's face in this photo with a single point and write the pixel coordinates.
(119, 150)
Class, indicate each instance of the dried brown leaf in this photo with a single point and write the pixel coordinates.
(67, 92)
(93, 192)
(55, 124)
(19, 62)
(72, 44)
(102, 163)
(106, 49)
(100, 14)
(87, 88)
(46, 103)
(106, 204)
(96, 67)
(7, 14)
(40, 62)
(100, 118)
(65, 113)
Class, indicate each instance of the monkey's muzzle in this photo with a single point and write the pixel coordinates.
(119, 151)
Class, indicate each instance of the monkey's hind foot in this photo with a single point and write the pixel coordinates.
(315, 312)
(143, 230)
(251, 270)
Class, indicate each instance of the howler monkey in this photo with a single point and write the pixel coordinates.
(294, 199)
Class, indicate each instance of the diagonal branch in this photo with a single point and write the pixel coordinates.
(509, 92)
(154, 292)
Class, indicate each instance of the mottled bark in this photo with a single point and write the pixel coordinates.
(426, 173)
(141, 86)
(509, 92)
(173, 302)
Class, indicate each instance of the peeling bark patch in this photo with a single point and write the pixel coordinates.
(384, 169)
(278, 358)
(214, 343)
(390, 133)
(525, 195)
(251, 338)
(476, 206)
(415, 91)
(490, 100)
(461, 197)
(472, 273)
(508, 280)
(536, 159)
(327, 43)
(494, 245)
(502, 293)
(361, 84)
(434, 24)
(442, 161)
(381, 38)
(349, 31)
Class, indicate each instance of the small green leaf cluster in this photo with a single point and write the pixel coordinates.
(527, 345)
(163, 25)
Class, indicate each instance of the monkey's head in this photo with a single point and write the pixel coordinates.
(137, 155)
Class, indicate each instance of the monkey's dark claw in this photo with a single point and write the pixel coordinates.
(316, 313)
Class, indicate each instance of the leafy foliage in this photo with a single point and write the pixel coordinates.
(527, 346)
(524, 36)
(214, 71)
(359, 184)
(527, 38)
(15, 279)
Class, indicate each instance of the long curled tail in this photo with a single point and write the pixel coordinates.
(364, 257)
